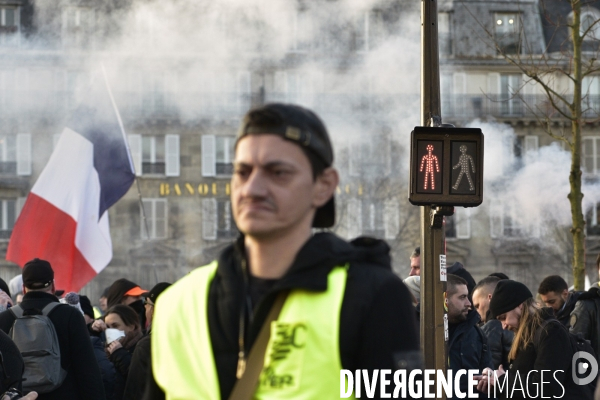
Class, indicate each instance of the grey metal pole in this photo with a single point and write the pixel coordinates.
(433, 340)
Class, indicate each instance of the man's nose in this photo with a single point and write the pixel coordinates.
(255, 184)
(504, 325)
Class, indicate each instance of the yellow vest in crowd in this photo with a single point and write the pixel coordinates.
(302, 360)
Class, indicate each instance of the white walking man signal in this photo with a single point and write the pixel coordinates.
(463, 163)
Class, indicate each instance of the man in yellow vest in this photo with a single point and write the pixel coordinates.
(344, 309)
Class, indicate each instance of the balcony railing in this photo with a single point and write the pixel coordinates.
(204, 105)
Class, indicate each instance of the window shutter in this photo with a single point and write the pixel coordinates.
(208, 155)
(460, 83)
(172, 155)
(24, 154)
(392, 218)
(588, 154)
(493, 84)
(463, 223)
(354, 218)
(496, 223)
(20, 204)
(135, 147)
(531, 148)
(209, 219)
(160, 219)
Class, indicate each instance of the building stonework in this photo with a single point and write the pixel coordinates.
(181, 108)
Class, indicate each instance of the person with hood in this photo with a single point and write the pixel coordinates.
(585, 318)
(467, 345)
(125, 292)
(342, 307)
(541, 343)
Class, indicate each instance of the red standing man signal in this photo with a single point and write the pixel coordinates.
(428, 162)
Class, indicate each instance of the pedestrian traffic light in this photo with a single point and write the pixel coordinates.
(446, 166)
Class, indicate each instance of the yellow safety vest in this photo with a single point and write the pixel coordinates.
(302, 360)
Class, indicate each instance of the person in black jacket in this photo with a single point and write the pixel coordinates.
(83, 380)
(555, 294)
(585, 318)
(499, 340)
(141, 359)
(120, 351)
(283, 186)
(541, 344)
(467, 345)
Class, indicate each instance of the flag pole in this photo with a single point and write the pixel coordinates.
(137, 181)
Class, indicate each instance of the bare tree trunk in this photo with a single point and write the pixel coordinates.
(575, 195)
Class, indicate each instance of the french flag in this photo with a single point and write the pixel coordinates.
(65, 217)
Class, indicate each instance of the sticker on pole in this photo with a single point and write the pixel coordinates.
(443, 273)
(445, 327)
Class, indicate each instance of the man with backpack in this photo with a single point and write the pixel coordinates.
(69, 370)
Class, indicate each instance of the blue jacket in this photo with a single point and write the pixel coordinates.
(468, 349)
(106, 367)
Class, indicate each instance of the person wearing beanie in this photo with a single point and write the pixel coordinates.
(541, 343)
(82, 380)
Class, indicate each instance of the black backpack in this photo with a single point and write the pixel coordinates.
(578, 344)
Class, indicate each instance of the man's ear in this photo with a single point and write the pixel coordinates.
(325, 186)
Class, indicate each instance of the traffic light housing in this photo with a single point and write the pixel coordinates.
(446, 166)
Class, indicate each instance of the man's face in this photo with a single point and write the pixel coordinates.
(103, 305)
(415, 266)
(510, 320)
(458, 305)
(272, 188)
(555, 299)
(481, 302)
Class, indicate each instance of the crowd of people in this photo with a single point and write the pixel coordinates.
(498, 325)
(283, 310)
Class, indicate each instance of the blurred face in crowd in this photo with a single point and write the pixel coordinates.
(481, 301)
(127, 300)
(554, 299)
(114, 321)
(458, 304)
(415, 266)
(510, 320)
(272, 189)
(149, 310)
(103, 305)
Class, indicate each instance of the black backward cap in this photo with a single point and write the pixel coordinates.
(37, 274)
(303, 127)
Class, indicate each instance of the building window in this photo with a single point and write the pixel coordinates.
(217, 220)
(156, 219)
(525, 150)
(589, 28)
(9, 210)
(591, 155)
(369, 30)
(507, 32)
(444, 33)
(155, 155)
(373, 218)
(592, 220)
(217, 155)
(511, 103)
(301, 32)
(78, 25)
(9, 25)
(15, 154)
(371, 158)
(458, 226)
(508, 221)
